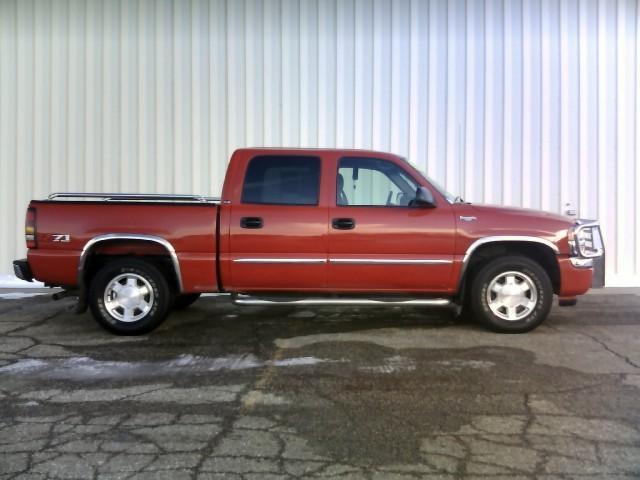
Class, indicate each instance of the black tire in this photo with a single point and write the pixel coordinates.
(525, 271)
(144, 273)
(184, 301)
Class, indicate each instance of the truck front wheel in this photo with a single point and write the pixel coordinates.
(511, 294)
(129, 297)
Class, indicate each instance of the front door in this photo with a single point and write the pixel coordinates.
(378, 242)
(278, 229)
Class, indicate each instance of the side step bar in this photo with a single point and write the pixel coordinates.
(248, 300)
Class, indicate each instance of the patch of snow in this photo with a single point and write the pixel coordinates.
(292, 362)
(239, 362)
(24, 366)
(19, 295)
(11, 281)
(392, 365)
(81, 368)
(633, 380)
(261, 398)
(184, 360)
(464, 364)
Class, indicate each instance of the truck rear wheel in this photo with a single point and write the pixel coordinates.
(129, 297)
(511, 294)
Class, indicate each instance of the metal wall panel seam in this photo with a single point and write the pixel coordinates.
(24, 113)
(7, 209)
(637, 149)
(456, 98)
(494, 104)
(363, 79)
(625, 119)
(93, 114)
(436, 145)
(474, 138)
(606, 128)
(218, 92)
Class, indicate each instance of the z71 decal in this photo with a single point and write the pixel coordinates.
(60, 238)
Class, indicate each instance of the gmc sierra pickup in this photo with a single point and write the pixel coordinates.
(308, 227)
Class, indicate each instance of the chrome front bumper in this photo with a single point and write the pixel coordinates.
(581, 262)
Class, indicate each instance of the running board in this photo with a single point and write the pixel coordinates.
(248, 300)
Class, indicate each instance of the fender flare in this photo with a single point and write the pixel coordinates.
(86, 250)
(500, 238)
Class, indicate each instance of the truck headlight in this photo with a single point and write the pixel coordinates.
(585, 240)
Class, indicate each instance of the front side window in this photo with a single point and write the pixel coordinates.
(282, 180)
(373, 182)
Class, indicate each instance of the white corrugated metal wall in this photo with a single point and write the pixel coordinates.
(519, 102)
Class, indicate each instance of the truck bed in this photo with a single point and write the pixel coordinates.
(66, 226)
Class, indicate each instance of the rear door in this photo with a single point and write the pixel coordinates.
(278, 225)
(377, 241)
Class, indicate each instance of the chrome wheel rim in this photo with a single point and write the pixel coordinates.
(512, 295)
(128, 297)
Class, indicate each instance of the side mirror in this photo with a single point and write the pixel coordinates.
(424, 198)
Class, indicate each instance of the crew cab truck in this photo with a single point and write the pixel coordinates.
(308, 227)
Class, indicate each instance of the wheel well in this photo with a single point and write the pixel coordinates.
(537, 252)
(109, 250)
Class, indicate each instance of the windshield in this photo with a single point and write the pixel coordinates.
(451, 198)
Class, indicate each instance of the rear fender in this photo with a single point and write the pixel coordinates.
(118, 243)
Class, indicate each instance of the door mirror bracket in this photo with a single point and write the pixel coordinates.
(424, 198)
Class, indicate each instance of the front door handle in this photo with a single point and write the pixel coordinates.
(343, 223)
(251, 222)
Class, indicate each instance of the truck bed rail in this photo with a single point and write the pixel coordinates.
(133, 197)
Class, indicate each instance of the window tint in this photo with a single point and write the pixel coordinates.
(373, 182)
(282, 180)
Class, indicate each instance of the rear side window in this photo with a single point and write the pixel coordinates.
(282, 180)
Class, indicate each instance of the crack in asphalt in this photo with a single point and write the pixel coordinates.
(610, 350)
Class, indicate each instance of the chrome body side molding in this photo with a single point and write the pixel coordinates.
(280, 260)
(248, 300)
(129, 236)
(348, 261)
(390, 261)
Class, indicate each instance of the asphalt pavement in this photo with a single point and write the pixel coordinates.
(343, 393)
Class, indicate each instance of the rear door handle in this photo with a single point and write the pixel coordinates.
(343, 223)
(251, 222)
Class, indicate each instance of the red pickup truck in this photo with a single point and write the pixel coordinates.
(308, 227)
